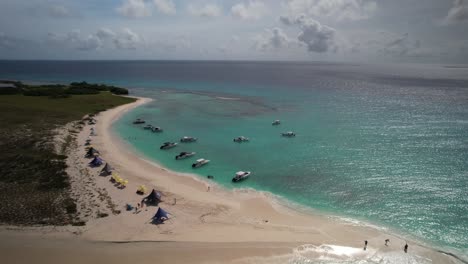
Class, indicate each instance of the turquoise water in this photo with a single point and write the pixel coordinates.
(397, 162)
(383, 144)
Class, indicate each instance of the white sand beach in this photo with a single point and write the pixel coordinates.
(215, 226)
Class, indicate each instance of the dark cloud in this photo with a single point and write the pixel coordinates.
(6, 42)
(74, 40)
(59, 11)
(103, 38)
(404, 46)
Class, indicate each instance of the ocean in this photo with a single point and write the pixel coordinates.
(381, 144)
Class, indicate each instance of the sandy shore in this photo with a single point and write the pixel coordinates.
(207, 226)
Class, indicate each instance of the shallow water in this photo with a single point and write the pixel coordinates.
(384, 144)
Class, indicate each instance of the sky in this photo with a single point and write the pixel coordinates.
(408, 31)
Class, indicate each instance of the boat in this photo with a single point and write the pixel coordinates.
(139, 121)
(184, 155)
(156, 129)
(288, 134)
(148, 126)
(188, 139)
(276, 122)
(241, 139)
(240, 176)
(168, 145)
(199, 163)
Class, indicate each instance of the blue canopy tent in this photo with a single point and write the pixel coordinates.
(91, 152)
(160, 216)
(107, 170)
(97, 161)
(153, 198)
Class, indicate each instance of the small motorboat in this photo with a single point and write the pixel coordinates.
(168, 145)
(288, 134)
(199, 163)
(184, 155)
(276, 122)
(188, 139)
(240, 176)
(241, 139)
(148, 127)
(139, 121)
(156, 129)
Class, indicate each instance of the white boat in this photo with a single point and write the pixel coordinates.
(156, 129)
(288, 134)
(168, 145)
(139, 121)
(184, 155)
(148, 126)
(199, 163)
(240, 176)
(276, 122)
(188, 139)
(241, 139)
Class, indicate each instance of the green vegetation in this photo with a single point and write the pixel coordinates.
(34, 186)
(58, 90)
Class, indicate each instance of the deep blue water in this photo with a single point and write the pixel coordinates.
(386, 144)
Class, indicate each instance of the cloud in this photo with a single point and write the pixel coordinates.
(172, 44)
(458, 13)
(75, 40)
(208, 10)
(105, 33)
(272, 39)
(337, 9)
(403, 46)
(251, 10)
(6, 42)
(165, 6)
(134, 9)
(317, 37)
(58, 11)
(127, 39)
(103, 38)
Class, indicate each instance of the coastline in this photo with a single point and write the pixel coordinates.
(220, 216)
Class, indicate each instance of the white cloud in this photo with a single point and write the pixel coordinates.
(208, 10)
(317, 37)
(458, 13)
(250, 10)
(165, 6)
(337, 9)
(272, 39)
(134, 9)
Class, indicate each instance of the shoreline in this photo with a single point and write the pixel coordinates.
(220, 215)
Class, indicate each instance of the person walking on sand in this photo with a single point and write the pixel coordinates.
(386, 241)
(208, 188)
(406, 248)
(365, 244)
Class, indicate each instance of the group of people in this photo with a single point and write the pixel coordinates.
(405, 248)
